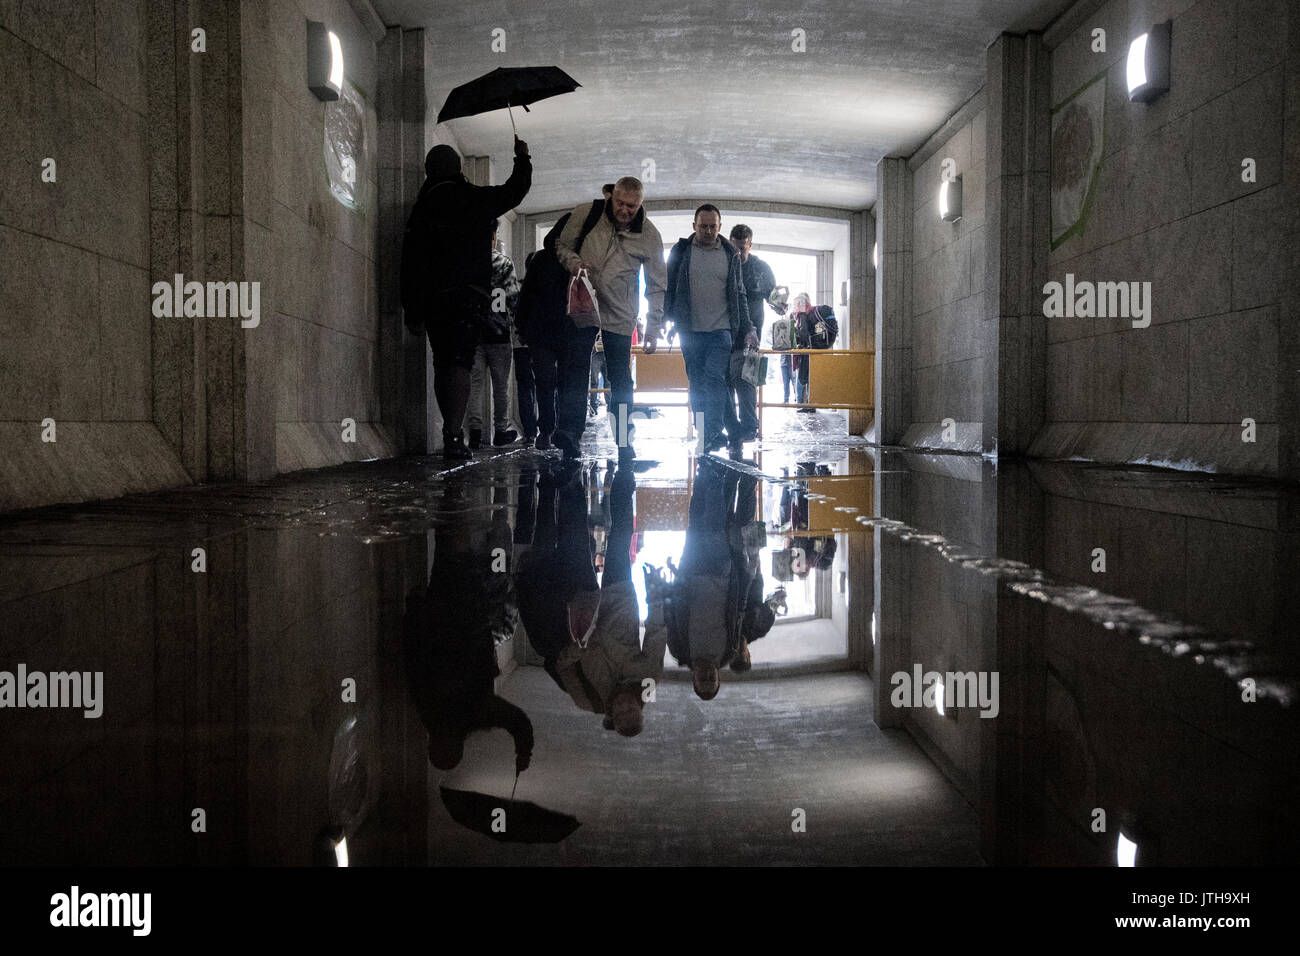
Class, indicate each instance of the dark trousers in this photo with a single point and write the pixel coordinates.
(573, 362)
(618, 373)
(526, 391)
(707, 356)
(546, 373)
(618, 552)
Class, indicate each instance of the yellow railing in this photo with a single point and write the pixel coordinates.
(837, 378)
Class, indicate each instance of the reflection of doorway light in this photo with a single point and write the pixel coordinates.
(1125, 851)
(938, 695)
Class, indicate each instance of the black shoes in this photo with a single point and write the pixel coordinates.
(453, 448)
(543, 442)
(626, 455)
(476, 438)
(505, 436)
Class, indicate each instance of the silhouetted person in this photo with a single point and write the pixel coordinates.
(450, 637)
(447, 273)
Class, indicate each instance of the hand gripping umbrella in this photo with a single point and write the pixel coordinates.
(504, 87)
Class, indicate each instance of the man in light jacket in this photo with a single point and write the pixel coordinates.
(618, 246)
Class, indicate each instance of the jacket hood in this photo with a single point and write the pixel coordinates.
(442, 162)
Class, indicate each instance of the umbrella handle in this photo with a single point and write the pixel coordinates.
(512, 120)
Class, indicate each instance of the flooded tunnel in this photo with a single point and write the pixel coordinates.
(586, 434)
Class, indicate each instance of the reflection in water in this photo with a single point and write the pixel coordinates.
(713, 601)
(450, 639)
(589, 636)
(520, 599)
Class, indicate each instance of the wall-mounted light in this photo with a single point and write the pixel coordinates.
(1148, 63)
(950, 199)
(324, 61)
(875, 255)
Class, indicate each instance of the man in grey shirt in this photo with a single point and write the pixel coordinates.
(706, 303)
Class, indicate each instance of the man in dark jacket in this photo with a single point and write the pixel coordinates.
(758, 281)
(447, 273)
(706, 303)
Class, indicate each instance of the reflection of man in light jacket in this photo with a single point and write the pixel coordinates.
(604, 668)
(620, 244)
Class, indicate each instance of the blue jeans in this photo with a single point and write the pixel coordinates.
(708, 355)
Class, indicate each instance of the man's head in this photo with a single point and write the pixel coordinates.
(625, 710)
(742, 238)
(705, 679)
(442, 162)
(708, 222)
(625, 200)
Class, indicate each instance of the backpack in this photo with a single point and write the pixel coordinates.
(542, 318)
(783, 335)
(819, 330)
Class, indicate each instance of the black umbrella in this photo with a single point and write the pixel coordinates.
(504, 87)
(524, 822)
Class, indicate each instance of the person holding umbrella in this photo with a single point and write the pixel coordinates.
(447, 274)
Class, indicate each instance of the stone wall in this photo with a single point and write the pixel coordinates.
(1170, 207)
(74, 303)
(947, 332)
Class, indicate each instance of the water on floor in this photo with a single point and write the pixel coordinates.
(920, 659)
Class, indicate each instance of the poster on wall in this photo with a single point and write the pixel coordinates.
(1078, 126)
(345, 145)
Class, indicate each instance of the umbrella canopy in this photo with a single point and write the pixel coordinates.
(506, 86)
(524, 822)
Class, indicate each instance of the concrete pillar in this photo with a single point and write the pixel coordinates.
(892, 577)
(1017, 232)
(893, 317)
(862, 299)
(406, 396)
(196, 229)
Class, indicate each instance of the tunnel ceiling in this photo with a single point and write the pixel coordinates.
(712, 92)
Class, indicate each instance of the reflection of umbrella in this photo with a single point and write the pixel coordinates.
(504, 87)
(524, 822)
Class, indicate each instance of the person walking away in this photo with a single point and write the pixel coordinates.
(446, 274)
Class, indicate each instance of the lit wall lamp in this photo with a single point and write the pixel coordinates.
(875, 254)
(1148, 63)
(324, 61)
(950, 199)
